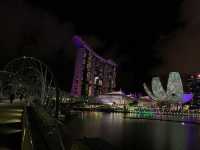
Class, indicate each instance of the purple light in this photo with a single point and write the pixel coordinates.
(77, 41)
(187, 97)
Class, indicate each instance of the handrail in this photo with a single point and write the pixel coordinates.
(48, 128)
(27, 143)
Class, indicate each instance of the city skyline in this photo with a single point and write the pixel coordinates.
(140, 43)
(113, 75)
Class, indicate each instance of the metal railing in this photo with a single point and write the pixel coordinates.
(27, 142)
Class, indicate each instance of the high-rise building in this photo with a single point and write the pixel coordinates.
(191, 83)
(93, 74)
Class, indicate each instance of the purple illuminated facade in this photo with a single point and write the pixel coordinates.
(192, 85)
(93, 74)
(187, 98)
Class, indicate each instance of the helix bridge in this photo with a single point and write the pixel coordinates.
(29, 122)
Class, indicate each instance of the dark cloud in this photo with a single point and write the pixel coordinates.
(132, 32)
(126, 33)
(27, 30)
(181, 52)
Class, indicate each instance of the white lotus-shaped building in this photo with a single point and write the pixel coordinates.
(174, 93)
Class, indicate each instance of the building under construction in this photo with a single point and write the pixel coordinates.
(93, 74)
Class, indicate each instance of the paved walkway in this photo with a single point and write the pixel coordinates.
(10, 125)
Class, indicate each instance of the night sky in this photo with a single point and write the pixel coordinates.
(143, 37)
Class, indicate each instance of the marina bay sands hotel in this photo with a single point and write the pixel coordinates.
(93, 75)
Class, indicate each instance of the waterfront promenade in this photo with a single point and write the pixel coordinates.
(186, 117)
(190, 118)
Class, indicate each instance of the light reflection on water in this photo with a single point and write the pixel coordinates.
(134, 134)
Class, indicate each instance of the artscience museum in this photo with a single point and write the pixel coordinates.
(174, 94)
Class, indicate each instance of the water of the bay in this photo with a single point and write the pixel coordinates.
(134, 134)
